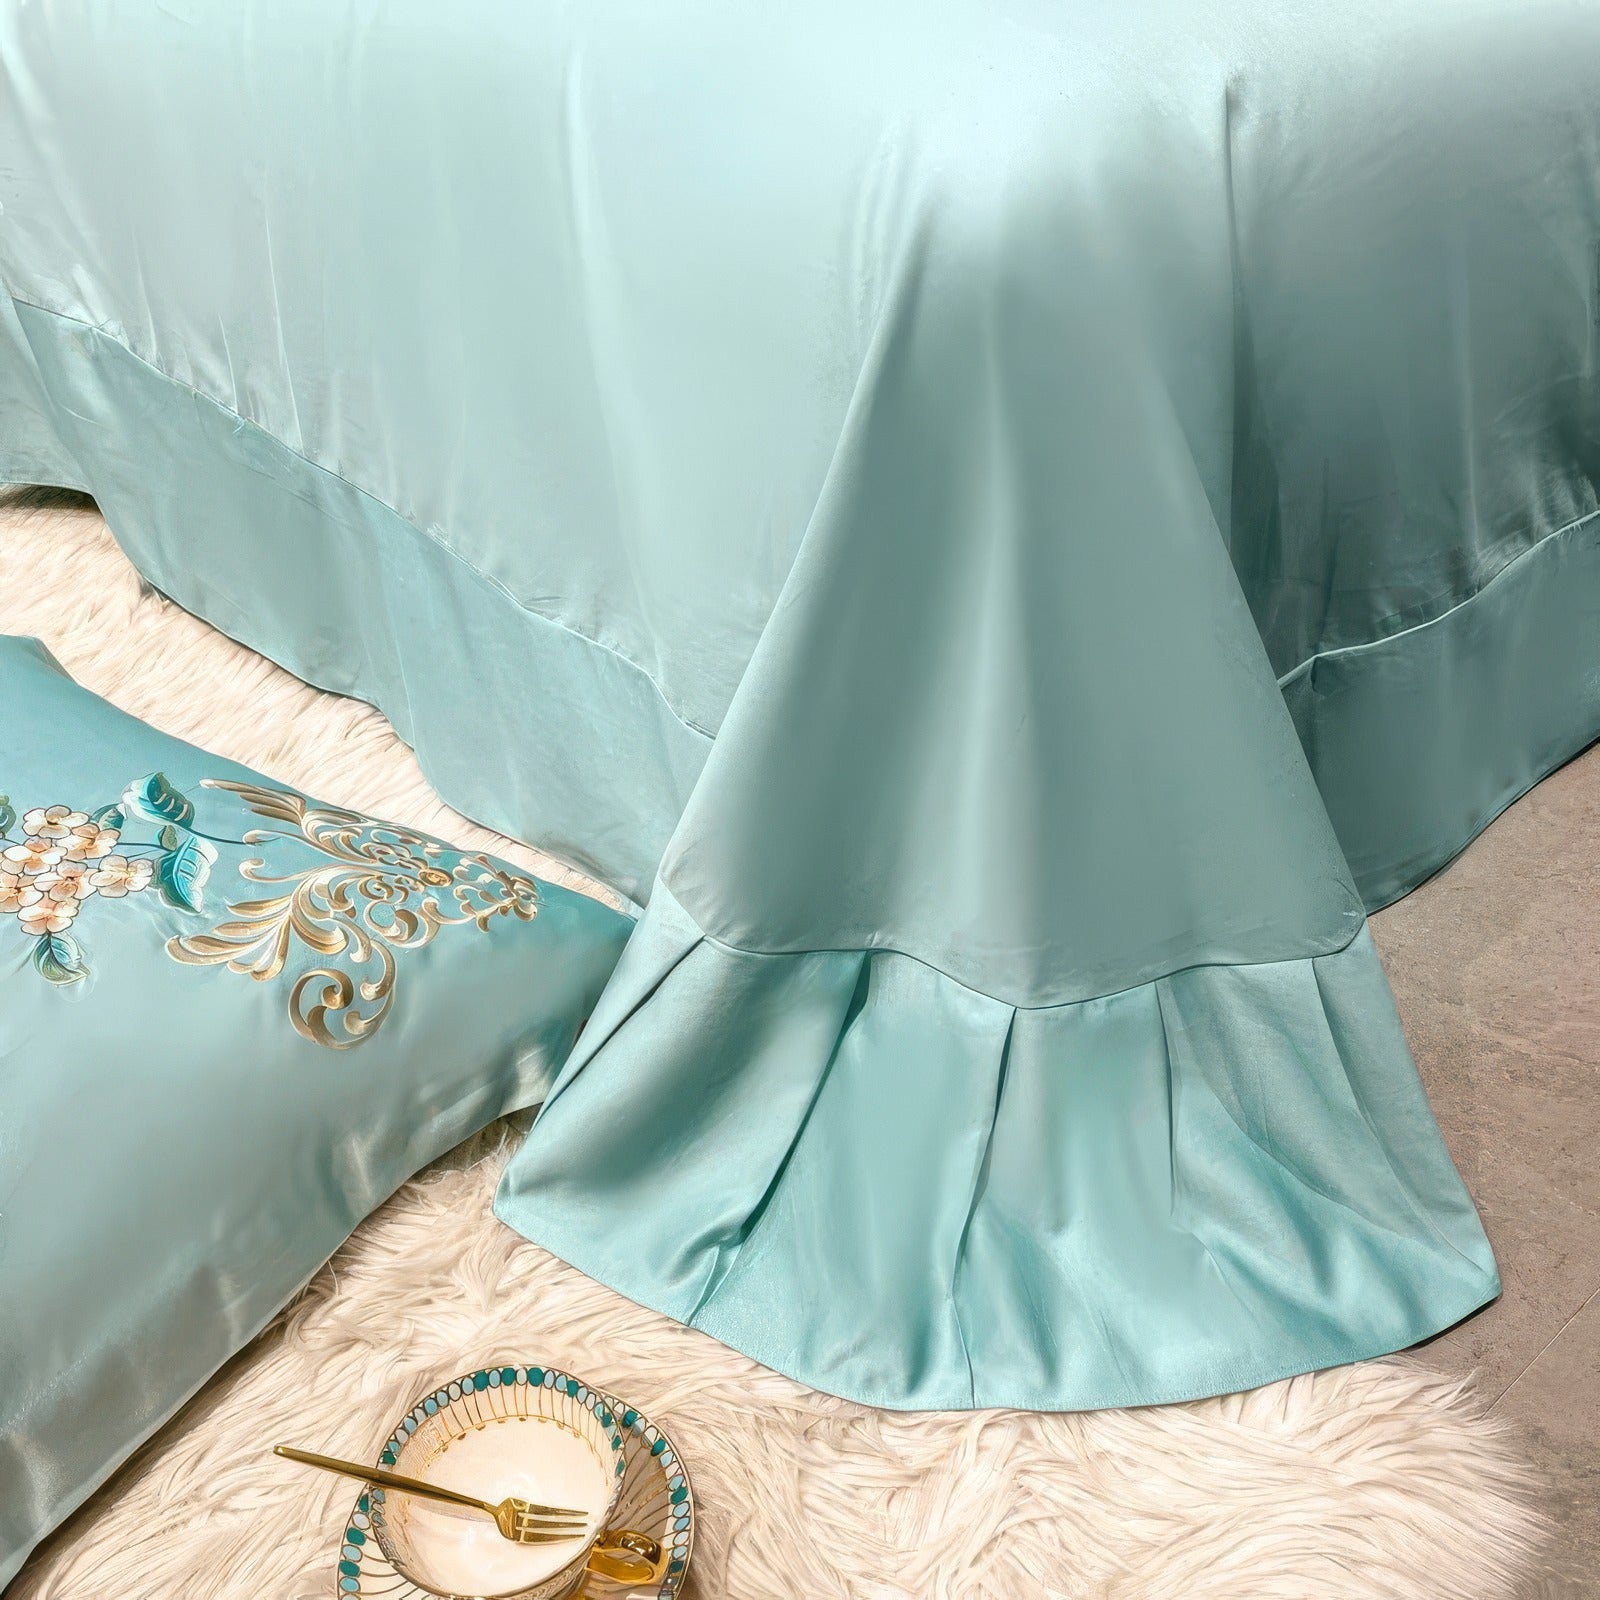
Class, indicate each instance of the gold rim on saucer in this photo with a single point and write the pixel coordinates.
(657, 1497)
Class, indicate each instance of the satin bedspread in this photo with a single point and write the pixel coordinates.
(1023, 521)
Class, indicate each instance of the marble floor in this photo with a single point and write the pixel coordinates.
(1495, 964)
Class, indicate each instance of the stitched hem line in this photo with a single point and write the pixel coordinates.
(662, 891)
(688, 722)
(1295, 673)
(366, 494)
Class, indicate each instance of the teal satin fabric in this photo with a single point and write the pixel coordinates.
(177, 1156)
(1002, 510)
(1114, 288)
(864, 1174)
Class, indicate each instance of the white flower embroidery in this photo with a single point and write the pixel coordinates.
(13, 885)
(89, 841)
(68, 880)
(54, 860)
(118, 876)
(52, 822)
(42, 913)
(31, 857)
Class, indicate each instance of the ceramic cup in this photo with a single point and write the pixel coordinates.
(528, 1431)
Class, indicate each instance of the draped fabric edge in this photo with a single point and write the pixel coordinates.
(1060, 1208)
(1455, 718)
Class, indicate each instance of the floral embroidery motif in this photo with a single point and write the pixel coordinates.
(65, 858)
(382, 888)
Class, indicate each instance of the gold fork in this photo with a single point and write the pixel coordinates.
(521, 1521)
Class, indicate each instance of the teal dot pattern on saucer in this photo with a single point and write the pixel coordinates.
(656, 1496)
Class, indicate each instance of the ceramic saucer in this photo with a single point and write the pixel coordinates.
(656, 1494)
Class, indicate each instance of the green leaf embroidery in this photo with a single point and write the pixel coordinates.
(8, 813)
(155, 799)
(183, 870)
(59, 959)
(108, 817)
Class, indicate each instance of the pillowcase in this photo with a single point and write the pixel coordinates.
(232, 1022)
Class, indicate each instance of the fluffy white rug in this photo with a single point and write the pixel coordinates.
(1378, 1480)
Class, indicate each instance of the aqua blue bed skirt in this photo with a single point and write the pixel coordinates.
(1005, 535)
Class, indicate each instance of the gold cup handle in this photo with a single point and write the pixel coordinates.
(625, 1556)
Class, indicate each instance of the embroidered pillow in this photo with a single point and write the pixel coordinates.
(232, 1021)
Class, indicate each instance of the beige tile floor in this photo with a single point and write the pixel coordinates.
(1495, 964)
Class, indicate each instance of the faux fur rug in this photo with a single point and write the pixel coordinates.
(1378, 1480)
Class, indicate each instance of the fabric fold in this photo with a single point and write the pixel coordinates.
(907, 509)
(894, 1188)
